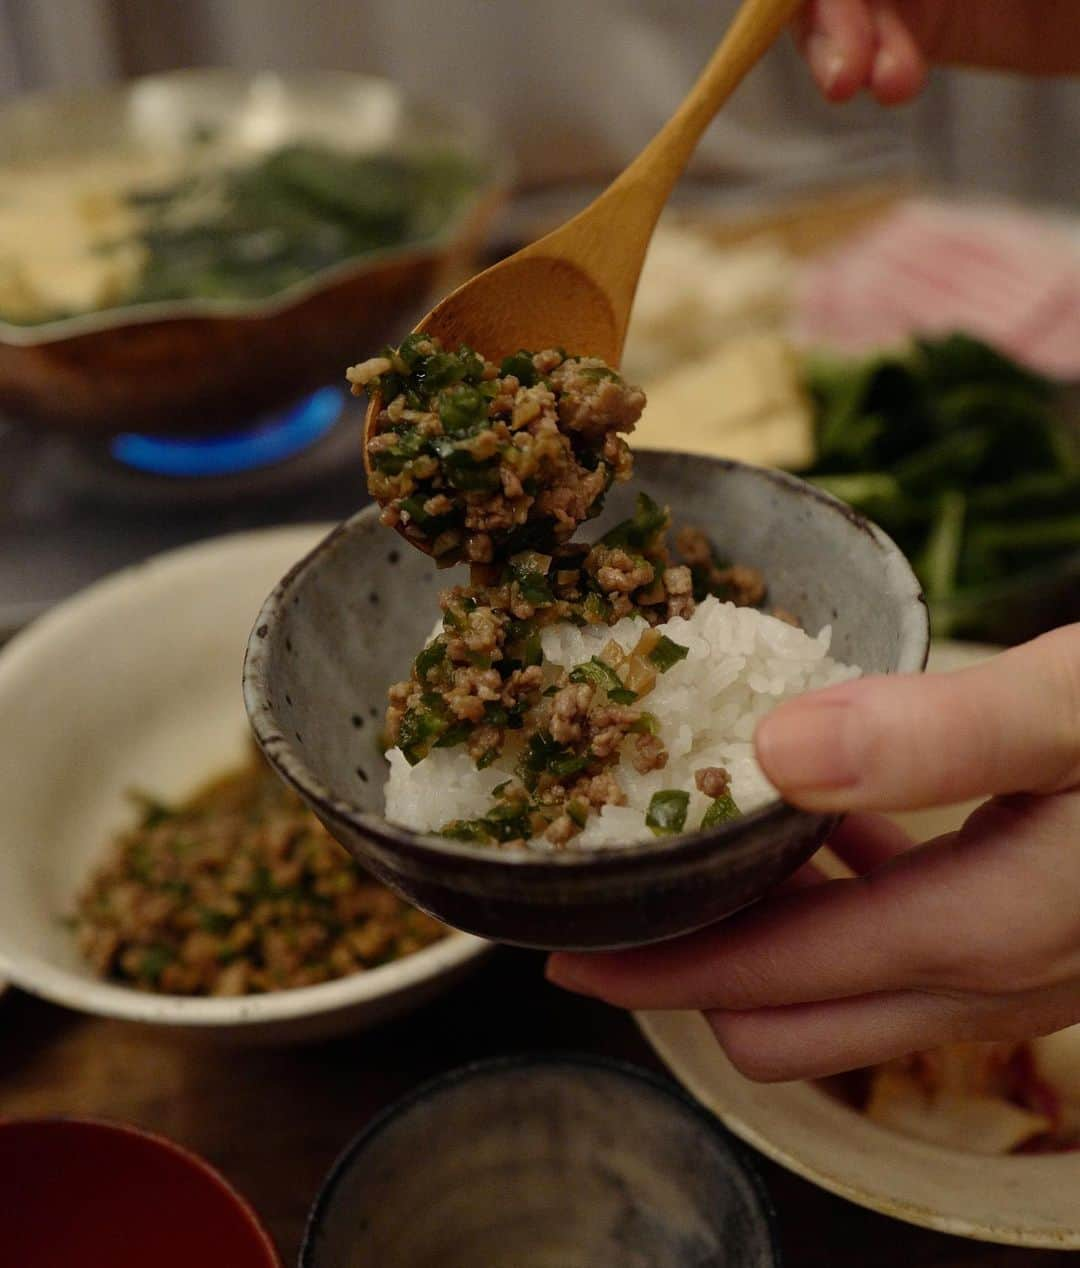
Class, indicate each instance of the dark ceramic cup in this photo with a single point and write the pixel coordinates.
(553, 1162)
(347, 620)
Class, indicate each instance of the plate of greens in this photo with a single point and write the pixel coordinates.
(971, 463)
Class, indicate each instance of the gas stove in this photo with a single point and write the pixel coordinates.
(72, 512)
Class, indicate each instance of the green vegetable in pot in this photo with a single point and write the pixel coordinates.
(250, 230)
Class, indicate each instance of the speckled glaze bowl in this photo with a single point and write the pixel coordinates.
(346, 621)
(538, 1163)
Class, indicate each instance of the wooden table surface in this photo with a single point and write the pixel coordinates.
(273, 1119)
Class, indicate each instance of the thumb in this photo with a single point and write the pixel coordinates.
(887, 743)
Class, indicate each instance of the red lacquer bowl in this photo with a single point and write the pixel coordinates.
(101, 1195)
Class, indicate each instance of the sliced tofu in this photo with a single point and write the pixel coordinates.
(744, 401)
(695, 296)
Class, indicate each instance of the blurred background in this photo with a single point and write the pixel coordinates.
(161, 381)
(576, 89)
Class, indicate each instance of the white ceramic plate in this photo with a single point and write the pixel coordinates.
(1026, 1201)
(135, 682)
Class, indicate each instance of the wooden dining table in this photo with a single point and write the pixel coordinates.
(273, 1119)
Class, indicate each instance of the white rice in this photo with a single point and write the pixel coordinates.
(741, 663)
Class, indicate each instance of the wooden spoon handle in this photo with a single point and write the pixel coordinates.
(610, 237)
(754, 29)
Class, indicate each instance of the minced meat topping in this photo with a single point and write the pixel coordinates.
(476, 461)
(498, 466)
(239, 890)
(482, 681)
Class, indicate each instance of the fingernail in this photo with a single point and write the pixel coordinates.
(826, 61)
(809, 744)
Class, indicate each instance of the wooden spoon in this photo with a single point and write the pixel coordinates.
(574, 288)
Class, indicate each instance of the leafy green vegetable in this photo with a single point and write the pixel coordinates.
(431, 524)
(407, 446)
(454, 735)
(597, 610)
(151, 811)
(438, 370)
(529, 573)
(505, 821)
(545, 755)
(462, 410)
(568, 764)
(520, 365)
(578, 812)
(508, 820)
(154, 959)
(722, 810)
(216, 922)
(470, 830)
(599, 674)
(647, 724)
(1048, 491)
(422, 727)
(523, 647)
(250, 230)
(667, 653)
(642, 530)
(431, 656)
(940, 559)
(469, 474)
(666, 815)
(963, 456)
(957, 360)
(409, 350)
(532, 535)
(1064, 530)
